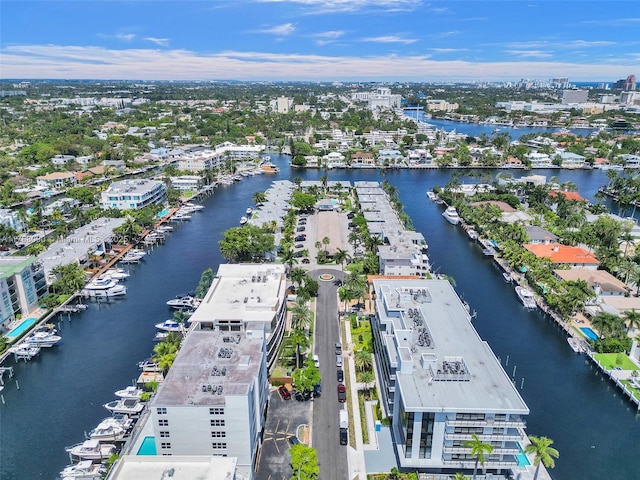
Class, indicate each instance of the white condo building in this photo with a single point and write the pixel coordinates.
(213, 401)
(22, 285)
(440, 382)
(247, 297)
(133, 194)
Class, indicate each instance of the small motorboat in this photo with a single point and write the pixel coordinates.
(130, 392)
(111, 429)
(243, 220)
(169, 326)
(184, 303)
(128, 406)
(83, 470)
(91, 450)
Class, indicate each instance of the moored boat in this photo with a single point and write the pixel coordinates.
(91, 450)
(526, 297)
(169, 326)
(130, 392)
(507, 277)
(43, 339)
(243, 220)
(472, 234)
(451, 215)
(184, 303)
(83, 470)
(128, 406)
(111, 429)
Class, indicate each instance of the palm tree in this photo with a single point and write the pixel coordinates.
(459, 476)
(164, 354)
(300, 315)
(288, 257)
(478, 450)
(298, 276)
(362, 360)
(346, 295)
(367, 378)
(633, 319)
(341, 256)
(543, 452)
(326, 241)
(300, 339)
(607, 324)
(259, 197)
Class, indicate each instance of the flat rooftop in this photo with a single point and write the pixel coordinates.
(174, 467)
(211, 365)
(251, 292)
(12, 265)
(442, 363)
(77, 244)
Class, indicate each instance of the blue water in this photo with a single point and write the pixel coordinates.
(148, 446)
(66, 387)
(591, 335)
(163, 212)
(20, 329)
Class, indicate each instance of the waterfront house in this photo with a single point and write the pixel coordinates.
(570, 196)
(570, 159)
(133, 194)
(439, 382)
(187, 182)
(538, 235)
(601, 282)
(57, 180)
(564, 255)
(362, 159)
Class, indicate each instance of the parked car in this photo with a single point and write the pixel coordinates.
(286, 395)
(317, 390)
(294, 440)
(4, 248)
(344, 436)
(340, 375)
(339, 361)
(316, 361)
(301, 229)
(299, 245)
(342, 393)
(338, 348)
(306, 260)
(300, 238)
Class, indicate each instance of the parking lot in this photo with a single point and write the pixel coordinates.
(283, 419)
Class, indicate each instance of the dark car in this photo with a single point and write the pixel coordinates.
(294, 440)
(340, 375)
(299, 245)
(350, 215)
(301, 229)
(300, 238)
(306, 260)
(342, 393)
(284, 392)
(344, 436)
(317, 390)
(4, 248)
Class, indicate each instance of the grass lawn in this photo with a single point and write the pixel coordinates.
(636, 392)
(609, 361)
(361, 335)
(363, 418)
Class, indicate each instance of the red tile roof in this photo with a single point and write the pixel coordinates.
(558, 253)
(567, 195)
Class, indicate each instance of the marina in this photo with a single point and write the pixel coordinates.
(524, 339)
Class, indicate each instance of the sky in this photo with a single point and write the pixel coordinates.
(320, 40)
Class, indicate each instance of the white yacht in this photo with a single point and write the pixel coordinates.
(194, 206)
(111, 429)
(169, 326)
(165, 228)
(24, 351)
(103, 287)
(184, 303)
(243, 220)
(451, 215)
(43, 339)
(84, 470)
(117, 274)
(91, 450)
(526, 297)
(249, 211)
(127, 406)
(130, 392)
(472, 234)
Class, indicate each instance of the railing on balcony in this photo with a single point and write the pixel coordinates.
(484, 436)
(496, 450)
(489, 422)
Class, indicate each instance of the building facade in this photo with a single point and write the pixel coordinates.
(133, 194)
(439, 382)
(213, 401)
(22, 285)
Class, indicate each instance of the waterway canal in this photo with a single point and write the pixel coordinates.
(61, 394)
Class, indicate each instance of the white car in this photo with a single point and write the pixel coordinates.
(339, 361)
(316, 361)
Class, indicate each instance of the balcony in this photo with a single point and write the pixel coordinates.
(496, 450)
(485, 437)
(488, 422)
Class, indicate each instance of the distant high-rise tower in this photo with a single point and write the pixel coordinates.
(630, 83)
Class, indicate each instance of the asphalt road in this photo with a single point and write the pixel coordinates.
(332, 456)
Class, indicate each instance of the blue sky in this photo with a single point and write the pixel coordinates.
(403, 40)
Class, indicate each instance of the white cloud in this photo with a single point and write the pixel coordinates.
(281, 30)
(330, 34)
(344, 6)
(162, 42)
(390, 39)
(529, 53)
(63, 61)
(123, 37)
(448, 50)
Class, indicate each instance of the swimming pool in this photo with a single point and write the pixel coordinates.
(148, 446)
(590, 334)
(522, 459)
(20, 329)
(163, 212)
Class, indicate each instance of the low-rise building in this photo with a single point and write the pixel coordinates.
(186, 182)
(174, 467)
(246, 297)
(10, 218)
(600, 281)
(439, 382)
(22, 285)
(213, 401)
(57, 180)
(564, 255)
(133, 194)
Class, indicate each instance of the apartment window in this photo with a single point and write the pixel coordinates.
(465, 430)
(164, 434)
(216, 411)
(165, 445)
(409, 443)
(219, 445)
(217, 423)
(163, 422)
(426, 434)
(470, 416)
(500, 417)
(218, 434)
(161, 411)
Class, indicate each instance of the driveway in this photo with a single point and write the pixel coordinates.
(283, 419)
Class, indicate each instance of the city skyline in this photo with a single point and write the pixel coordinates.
(318, 40)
